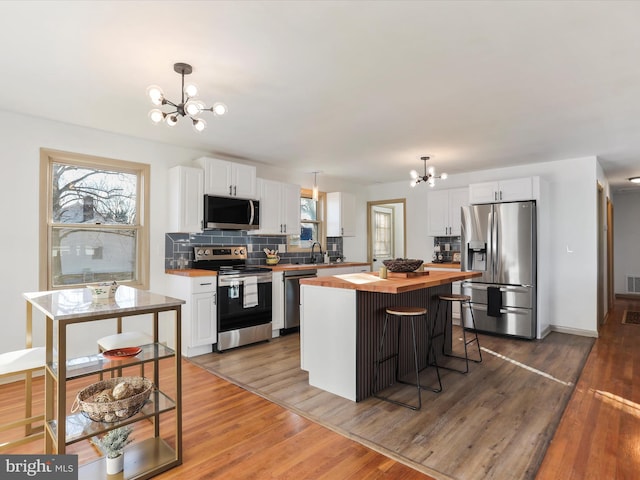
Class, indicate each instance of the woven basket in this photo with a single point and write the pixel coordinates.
(118, 409)
(402, 264)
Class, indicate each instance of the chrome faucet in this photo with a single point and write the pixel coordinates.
(313, 259)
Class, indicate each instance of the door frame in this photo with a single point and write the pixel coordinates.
(374, 203)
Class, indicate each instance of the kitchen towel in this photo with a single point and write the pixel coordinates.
(494, 301)
(250, 297)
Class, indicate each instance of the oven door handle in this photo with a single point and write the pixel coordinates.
(227, 282)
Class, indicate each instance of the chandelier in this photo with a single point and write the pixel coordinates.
(428, 177)
(188, 107)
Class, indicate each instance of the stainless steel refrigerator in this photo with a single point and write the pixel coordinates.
(499, 240)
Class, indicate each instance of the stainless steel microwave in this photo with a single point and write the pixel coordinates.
(231, 213)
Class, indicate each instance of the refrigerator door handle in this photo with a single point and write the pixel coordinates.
(493, 239)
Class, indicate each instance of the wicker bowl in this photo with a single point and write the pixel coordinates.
(112, 411)
(402, 264)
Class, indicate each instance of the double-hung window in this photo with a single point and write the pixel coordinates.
(383, 238)
(95, 211)
(311, 223)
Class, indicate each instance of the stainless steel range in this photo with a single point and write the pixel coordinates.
(243, 295)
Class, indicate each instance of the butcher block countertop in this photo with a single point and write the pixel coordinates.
(192, 272)
(195, 272)
(442, 265)
(369, 282)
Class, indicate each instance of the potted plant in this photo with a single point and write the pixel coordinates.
(112, 445)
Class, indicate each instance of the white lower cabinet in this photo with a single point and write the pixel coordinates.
(199, 316)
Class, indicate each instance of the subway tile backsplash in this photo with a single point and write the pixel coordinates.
(454, 243)
(179, 247)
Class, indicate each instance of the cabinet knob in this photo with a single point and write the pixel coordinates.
(230, 190)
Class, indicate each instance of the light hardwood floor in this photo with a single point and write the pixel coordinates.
(231, 433)
(599, 434)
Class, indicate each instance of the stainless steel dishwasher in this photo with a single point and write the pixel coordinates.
(292, 297)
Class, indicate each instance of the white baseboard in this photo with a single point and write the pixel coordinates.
(574, 331)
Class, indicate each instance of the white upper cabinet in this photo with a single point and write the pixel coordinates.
(228, 179)
(279, 208)
(512, 190)
(291, 208)
(341, 214)
(185, 199)
(443, 211)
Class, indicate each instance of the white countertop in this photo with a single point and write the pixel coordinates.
(79, 303)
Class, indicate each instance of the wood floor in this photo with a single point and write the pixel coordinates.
(599, 434)
(231, 433)
(493, 423)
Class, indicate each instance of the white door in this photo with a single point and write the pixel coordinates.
(386, 236)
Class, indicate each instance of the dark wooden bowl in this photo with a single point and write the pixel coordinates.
(402, 264)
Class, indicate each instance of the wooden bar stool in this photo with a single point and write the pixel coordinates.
(401, 314)
(23, 362)
(448, 299)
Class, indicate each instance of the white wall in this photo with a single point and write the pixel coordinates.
(567, 220)
(626, 214)
(22, 139)
(570, 277)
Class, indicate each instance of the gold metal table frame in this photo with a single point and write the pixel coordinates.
(66, 307)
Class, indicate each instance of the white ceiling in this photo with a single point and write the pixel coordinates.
(355, 89)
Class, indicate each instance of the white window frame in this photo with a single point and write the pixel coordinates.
(47, 158)
(385, 231)
(293, 241)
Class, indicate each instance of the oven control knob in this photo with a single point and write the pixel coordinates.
(241, 251)
(236, 251)
(199, 251)
(207, 252)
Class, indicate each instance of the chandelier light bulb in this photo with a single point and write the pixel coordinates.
(192, 108)
(199, 125)
(155, 94)
(414, 175)
(444, 176)
(171, 120)
(191, 90)
(156, 116)
(219, 108)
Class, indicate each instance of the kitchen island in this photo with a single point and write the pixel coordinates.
(341, 325)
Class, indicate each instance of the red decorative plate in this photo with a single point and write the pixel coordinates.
(118, 353)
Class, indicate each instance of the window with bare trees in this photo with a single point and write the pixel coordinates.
(96, 220)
